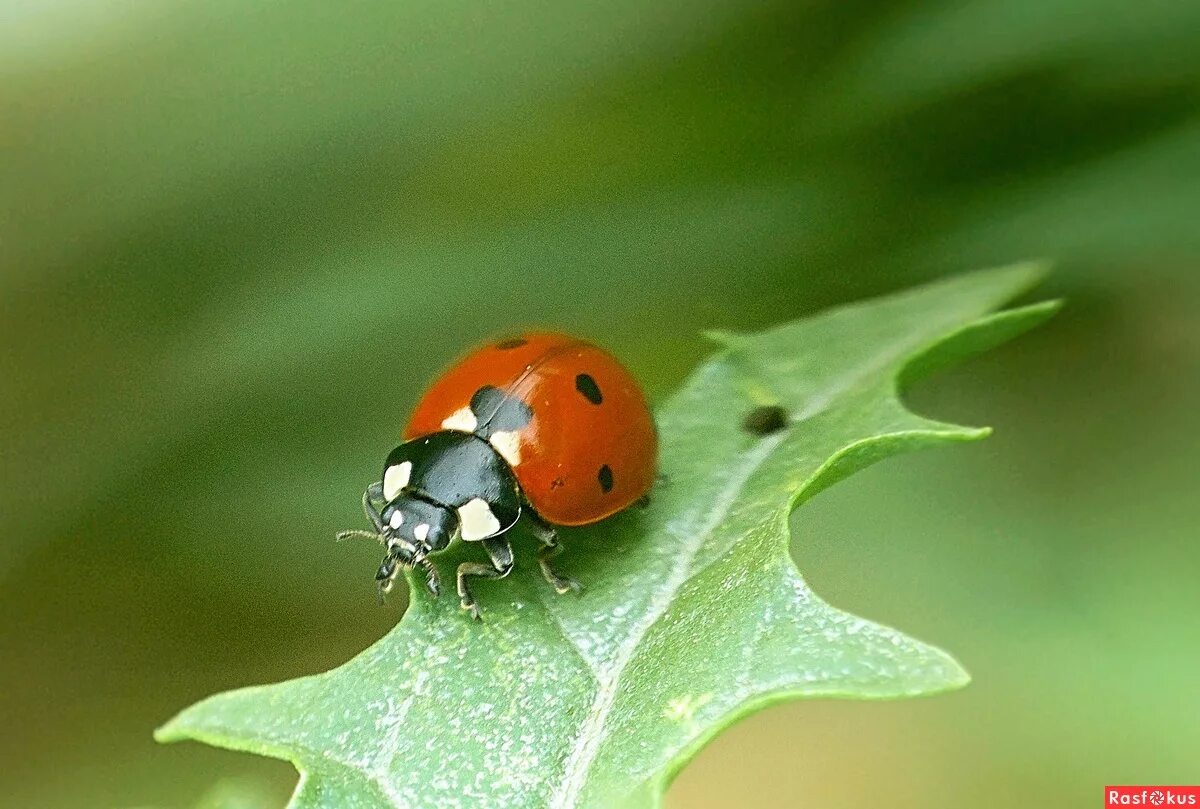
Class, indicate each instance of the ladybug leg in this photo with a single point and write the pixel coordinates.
(373, 494)
(385, 577)
(433, 582)
(500, 552)
(546, 535)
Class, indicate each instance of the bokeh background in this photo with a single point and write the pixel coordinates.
(237, 238)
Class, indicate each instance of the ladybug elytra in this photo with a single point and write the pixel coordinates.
(544, 426)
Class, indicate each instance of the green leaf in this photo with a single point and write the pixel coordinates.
(694, 613)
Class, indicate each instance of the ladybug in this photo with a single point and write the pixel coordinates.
(544, 426)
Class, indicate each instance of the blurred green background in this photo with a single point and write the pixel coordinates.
(236, 239)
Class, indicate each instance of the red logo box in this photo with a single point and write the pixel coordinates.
(1152, 796)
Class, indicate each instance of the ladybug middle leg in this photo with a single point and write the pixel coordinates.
(500, 552)
(545, 534)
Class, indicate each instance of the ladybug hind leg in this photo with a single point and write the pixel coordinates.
(500, 552)
(545, 534)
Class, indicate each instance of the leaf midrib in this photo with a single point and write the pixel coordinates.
(591, 733)
(578, 763)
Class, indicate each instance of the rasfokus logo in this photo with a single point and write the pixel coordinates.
(1151, 796)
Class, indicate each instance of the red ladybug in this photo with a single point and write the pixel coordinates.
(544, 425)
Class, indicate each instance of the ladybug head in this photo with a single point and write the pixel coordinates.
(414, 527)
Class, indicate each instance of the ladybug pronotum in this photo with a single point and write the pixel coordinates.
(544, 426)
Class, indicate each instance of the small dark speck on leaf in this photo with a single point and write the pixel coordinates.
(765, 420)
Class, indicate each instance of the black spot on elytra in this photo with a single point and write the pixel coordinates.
(511, 342)
(585, 384)
(765, 420)
(605, 477)
(497, 412)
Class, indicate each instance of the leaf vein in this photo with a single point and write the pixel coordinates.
(587, 742)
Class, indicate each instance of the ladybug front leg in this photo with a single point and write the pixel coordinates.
(385, 577)
(545, 534)
(433, 582)
(500, 552)
(371, 496)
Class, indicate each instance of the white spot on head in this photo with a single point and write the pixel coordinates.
(462, 420)
(421, 532)
(395, 479)
(508, 444)
(397, 519)
(477, 521)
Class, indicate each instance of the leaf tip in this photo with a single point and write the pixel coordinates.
(210, 721)
(722, 337)
(1036, 268)
(957, 678)
(184, 724)
(1024, 275)
(974, 338)
(1045, 309)
(170, 732)
(977, 433)
(947, 675)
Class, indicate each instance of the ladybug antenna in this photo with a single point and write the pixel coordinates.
(342, 536)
